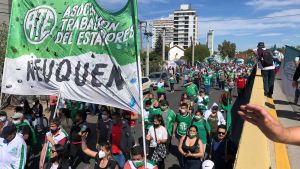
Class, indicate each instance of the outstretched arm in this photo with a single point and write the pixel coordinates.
(271, 127)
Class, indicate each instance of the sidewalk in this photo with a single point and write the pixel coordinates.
(289, 116)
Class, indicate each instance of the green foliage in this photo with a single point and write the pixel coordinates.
(201, 52)
(3, 41)
(158, 45)
(227, 49)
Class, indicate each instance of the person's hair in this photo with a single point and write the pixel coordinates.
(199, 110)
(182, 95)
(184, 104)
(82, 114)
(222, 126)
(107, 147)
(36, 101)
(55, 121)
(137, 150)
(159, 118)
(19, 109)
(62, 154)
(193, 126)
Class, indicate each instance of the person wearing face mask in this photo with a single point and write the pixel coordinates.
(191, 90)
(214, 117)
(222, 150)
(78, 128)
(3, 121)
(158, 136)
(203, 128)
(182, 122)
(103, 158)
(59, 158)
(13, 149)
(23, 127)
(53, 137)
(103, 123)
(147, 121)
(137, 160)
(120, 138)
(202, 101)
(169, 117)
(28, 113)
(191, 148)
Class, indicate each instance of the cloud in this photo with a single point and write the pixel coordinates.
(272, 4)
(269, 34)
(287, 12)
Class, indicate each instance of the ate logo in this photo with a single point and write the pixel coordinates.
(39, 23)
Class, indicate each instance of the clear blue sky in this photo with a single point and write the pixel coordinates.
(244, 22)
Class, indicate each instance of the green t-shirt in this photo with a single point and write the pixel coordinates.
(169, 119)
(202, 102)
(172, 80)
(160, 87)
(183, 123)
(191, 90)
(201, 129)
(206, 80)
(231, 75)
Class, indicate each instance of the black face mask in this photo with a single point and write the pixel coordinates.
(54, 131)
(53, 160)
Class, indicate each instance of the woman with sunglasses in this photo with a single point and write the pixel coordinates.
(222, 150)
(191, 148)
(59, 158)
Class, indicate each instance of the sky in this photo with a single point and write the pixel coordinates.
(244, 22)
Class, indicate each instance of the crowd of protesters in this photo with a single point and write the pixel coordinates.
(202, 130)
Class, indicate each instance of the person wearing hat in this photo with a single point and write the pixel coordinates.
(214, 117)
(13, 149)
(25, 129)
(3, 121)
(267, 66)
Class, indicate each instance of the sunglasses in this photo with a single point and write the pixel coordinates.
(222, 133)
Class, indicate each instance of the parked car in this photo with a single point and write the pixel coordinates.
(156, 76)
(146, 84)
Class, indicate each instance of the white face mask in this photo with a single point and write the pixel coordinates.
(16, 122)
(2, 118)
(22, 105)
(101, 154)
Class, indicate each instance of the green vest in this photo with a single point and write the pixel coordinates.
(183, 123)
(33, 135)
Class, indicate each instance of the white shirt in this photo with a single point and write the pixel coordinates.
(161, 134)
(13, 154)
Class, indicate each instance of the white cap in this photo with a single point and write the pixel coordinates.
(207, 164)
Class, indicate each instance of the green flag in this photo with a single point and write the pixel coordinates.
(75, 48)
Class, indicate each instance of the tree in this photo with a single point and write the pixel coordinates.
(227, 49)
(3, 41)
(201, 52)
(158, 45)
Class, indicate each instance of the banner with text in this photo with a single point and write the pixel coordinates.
(75, 48)
(288, 68)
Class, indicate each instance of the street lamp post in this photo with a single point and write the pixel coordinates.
(148, 35)
(164, 47)
(193, 51)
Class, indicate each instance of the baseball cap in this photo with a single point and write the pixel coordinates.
(208, 164)
(17, 116)
(8, 130)
(261, 44)
(3, 113)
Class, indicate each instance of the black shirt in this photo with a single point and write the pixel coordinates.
(103, 127)
(75, 129)
(110, 165)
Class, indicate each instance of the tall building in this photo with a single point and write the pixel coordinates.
(185, 26)
(158, 29)
(210, 41)
(5, 10)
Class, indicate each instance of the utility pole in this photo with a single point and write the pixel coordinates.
(141, 36)
(193, 51)
(148, 35)
(164, 46)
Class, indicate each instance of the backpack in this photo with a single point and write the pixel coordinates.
(267, 58)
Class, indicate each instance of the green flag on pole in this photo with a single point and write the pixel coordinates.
(75, 48)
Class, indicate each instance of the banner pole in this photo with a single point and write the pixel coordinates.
(1, 96)
(54, 115)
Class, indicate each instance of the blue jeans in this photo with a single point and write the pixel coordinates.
(120, 159)
(268, 79)
(206, 89)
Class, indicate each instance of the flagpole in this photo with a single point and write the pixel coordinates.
(135, 23)
(57, 102)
